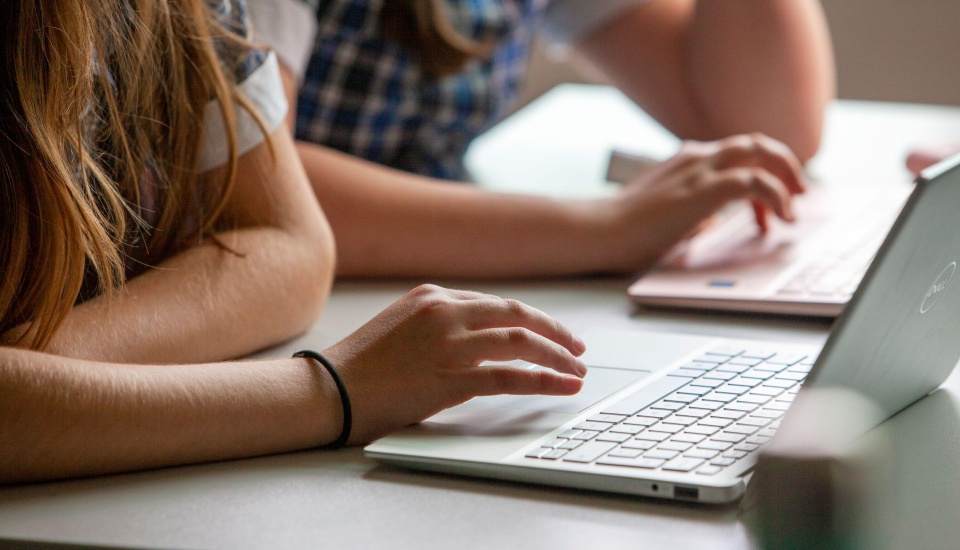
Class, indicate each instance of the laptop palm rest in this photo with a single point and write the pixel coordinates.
(599, 383)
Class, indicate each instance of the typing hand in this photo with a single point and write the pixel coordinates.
(423, 354)
(670, 202)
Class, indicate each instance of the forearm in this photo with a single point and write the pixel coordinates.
(390, 223)
(205, 304)
(211, 304)
(64, 417)
(762, 65)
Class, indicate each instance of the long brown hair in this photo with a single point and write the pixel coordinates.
(424, 28)
(94, 96)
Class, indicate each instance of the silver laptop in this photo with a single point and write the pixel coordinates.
(811, 267)
(682, 417)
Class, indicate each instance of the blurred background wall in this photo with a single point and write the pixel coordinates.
(890, 50)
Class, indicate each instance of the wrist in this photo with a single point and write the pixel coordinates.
(323, 418)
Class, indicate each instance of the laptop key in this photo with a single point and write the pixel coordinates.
(787, 358)
(746, 382)
(554, 454)
(746, 361)
(722, 461)
(586, 435)
(717, 422)
(653, 436)
(614, 437)
(732, 367)
(680, 397)
(754, 421)
(741, 429)
(695, 412)
(721, 397)
(607, 418)
(709, 470)
(554, 443)
(746, 447)
(655, 413)
(759, 353)
(639, 421)
(738, 406)
(668, 428)
(716, 445)
(685, 373)
(640, 462)
(733, 389)
(698, 366)
(701, 453)
(755, 399)
(756, 374)
(688, 438)
(645, 396)
(735, 454)
(660, 454)
(630, 429)
(675, 446)
(728, 437)
(639, 444)
(624, 453)
(680, 419)
(682, 464)
(594, 426)
(537, 453)
(588, 452)
(706, 383)
(702, 430)
(727, 350)
(710, 358)
(571, 444)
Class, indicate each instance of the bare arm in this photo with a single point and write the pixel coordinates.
(207, 304)
(64, 417)
(707, 69)
(390, 223)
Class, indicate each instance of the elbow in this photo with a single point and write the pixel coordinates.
(805, 142)
(315, 269)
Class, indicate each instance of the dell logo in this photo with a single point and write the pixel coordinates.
(937, 288)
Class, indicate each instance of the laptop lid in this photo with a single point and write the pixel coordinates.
(899, 338)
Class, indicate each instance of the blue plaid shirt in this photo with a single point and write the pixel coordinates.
(364, 95)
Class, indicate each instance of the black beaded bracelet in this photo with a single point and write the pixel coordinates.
(344, 397)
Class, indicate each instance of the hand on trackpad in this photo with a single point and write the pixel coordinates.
(599, 383)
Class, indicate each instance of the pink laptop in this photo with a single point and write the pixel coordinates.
(811, 267)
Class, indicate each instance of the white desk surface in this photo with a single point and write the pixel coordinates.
(342, 500)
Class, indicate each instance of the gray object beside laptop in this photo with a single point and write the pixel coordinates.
(682, 417)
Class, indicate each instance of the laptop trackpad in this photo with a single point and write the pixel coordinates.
(599, 383)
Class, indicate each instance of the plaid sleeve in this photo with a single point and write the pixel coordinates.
(237, 58)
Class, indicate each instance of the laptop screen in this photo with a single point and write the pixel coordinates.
(899, 337)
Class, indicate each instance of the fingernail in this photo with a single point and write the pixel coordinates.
(579, 344)
(571, 384)
(582, 368)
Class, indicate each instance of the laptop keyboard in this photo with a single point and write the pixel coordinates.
(837, 270)
(701, 417)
